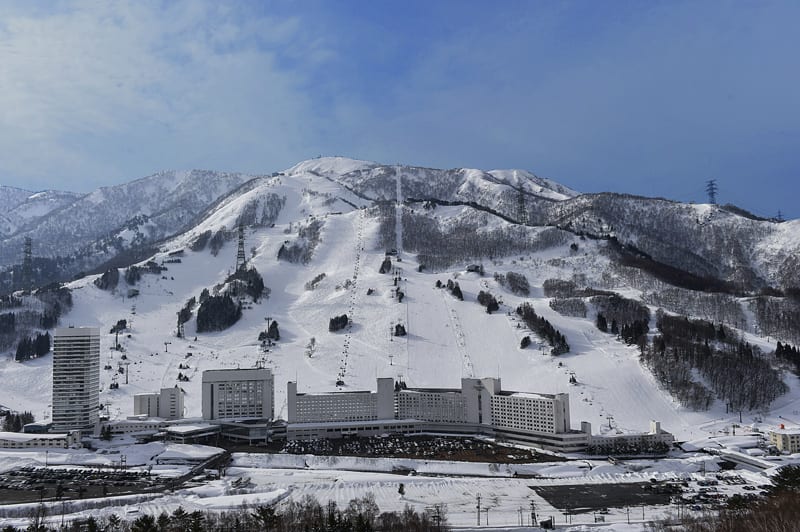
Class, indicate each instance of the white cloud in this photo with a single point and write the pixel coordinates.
(113, 90)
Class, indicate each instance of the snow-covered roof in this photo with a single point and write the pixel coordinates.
(793, 431)
(23, 436)
(188, 429)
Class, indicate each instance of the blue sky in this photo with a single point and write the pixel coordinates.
(645, 97)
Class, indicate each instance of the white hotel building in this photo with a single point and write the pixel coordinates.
(241, 402)
(480, 406)
(238, 393)
(166, 404)
(76, 378)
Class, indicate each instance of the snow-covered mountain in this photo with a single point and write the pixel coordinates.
(93, 228)
(317, 234)
(22, 207)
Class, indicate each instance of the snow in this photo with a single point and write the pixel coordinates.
(22, 437)
(447, 340)
(181, 451)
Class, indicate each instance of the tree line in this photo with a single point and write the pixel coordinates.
(736, 371)
(543, 329)
(362, 514)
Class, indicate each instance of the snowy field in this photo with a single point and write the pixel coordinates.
(255, 479)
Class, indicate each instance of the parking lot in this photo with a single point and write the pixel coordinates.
(31, 484)
(581, 498)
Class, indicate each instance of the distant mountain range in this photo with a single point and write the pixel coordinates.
(72, 232)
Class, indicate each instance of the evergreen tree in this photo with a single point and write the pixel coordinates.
(272, 332)
(601, 323)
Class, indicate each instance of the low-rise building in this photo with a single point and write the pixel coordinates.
(630, 443)
(21, 440)
(786, 440)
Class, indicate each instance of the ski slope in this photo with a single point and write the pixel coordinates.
(447, 339)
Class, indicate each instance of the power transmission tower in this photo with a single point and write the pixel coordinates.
(27, 264)
(522, 211)
(241, 258)
(711, 190)
(779, 217)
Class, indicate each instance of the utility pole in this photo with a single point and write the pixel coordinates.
(533, 513)
(127, 370)
(166, 348)
(479, 509)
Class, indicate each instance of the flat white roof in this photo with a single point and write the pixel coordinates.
(77, 331)
(334, 424)
(26, 436)
(791, 431)
(186, 429)
(526, 395)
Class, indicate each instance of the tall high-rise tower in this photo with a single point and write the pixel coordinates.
(76, 378)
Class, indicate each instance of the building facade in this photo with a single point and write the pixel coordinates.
(480, 406)
(20, 440)
(167, 404)
(238, 393)
(76, 378)
(786, 440)
(341, 406)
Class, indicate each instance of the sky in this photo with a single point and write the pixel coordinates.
(651, 98)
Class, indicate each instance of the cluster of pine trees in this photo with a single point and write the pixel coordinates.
(386, 265)
(453, 288)
(790, 354)
(217, 313)
(109, 279)
(337, 323)
(301, 249)
(247, 281)
(634, 333)
(185, 313)
(13, 422)
(34, 347)
(543, 328)
(516, 282)
(489, 301)
(569, 306)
